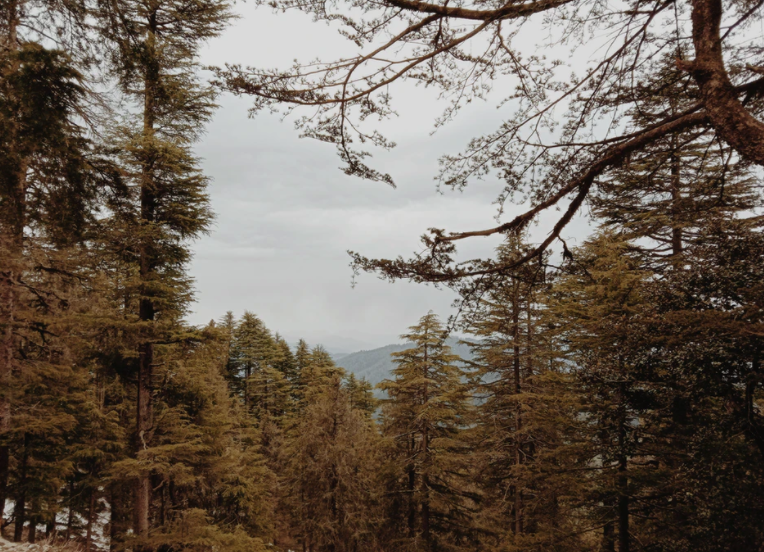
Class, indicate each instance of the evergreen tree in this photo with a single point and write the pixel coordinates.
(614, 402)
(49, 177)
(96, 443)
(525, 436)
(302, 355)
(155, 62)
(253, 351)
(669, 191)
(320, 358)
(361, 394)
(331, 475)
(302, 360)
(701, 344)
(207, 469)
(228, 327)
(285, 361)
(269, 391)
(318, 371)
(601, 313)
(425, 415)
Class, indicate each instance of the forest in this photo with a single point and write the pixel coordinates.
(612, 398)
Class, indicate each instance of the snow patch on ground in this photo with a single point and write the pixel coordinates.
(6, 546)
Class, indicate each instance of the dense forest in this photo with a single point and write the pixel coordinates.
(612, 396)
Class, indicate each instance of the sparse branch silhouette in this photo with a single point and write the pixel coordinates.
(470, 49)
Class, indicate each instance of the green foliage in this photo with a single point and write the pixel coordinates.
(331, 474)
(361, 395)
(608, 401)
(194, 531)
(47, 182)
(427, 410)
(526, 433)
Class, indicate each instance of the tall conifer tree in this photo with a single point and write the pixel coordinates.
(663, 196)
(155, 62)
(525, 434)
(48, 186)
(331, 475)
(253, 351)
(427, 410)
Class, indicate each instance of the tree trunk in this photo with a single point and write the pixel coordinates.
(19, 511)
(91, 513)
(247, 373)
(144, 414)
(142, 491)
(163, 504)
(6, 375)
(426, 496)
(32, 531)
(676, 198)
(411, 490)
(70, 513)
(6, 369)
(608, 537)
(337, 517)
(623, 508)
(518, 498)
(729, 117)
(426, 459)
(115, 519)
(623, 479)
(50, 528)
(14, 212)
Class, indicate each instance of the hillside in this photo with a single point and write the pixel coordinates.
(376, 365)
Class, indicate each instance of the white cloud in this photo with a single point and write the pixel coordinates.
(286, 215)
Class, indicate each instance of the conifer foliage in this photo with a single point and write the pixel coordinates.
(428, 406)
(613, 398)
(166, 203)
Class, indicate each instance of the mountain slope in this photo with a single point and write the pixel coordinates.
(376, 365)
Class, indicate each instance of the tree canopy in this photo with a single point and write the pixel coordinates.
(612, 400)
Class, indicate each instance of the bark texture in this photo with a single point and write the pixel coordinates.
(720, 99)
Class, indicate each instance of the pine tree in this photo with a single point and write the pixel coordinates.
(211, 481)
(361, 395)
(48, 182)
(332, 475)
(670, 190)
(425, 414)
(228, 327)
(302, 360)
(317, 370)
(302, 355)
(253, 351)
(702, 346)
(525, 435)
(285, 361)
(96, 443)
(600, 311)
(505, 342)
(44, 423)
(155, 64)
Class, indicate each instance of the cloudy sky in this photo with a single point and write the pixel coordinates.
(286, 215)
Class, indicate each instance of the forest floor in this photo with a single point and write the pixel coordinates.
(7, 546)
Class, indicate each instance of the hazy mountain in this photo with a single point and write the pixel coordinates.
(337, 344)
(376, 365)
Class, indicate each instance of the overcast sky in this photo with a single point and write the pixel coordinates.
(286, 215)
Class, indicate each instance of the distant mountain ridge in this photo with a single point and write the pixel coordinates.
(376, 365)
